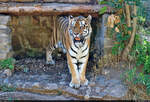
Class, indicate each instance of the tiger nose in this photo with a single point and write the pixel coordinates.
(76, 33)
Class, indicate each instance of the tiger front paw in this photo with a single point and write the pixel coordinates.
(74, 84)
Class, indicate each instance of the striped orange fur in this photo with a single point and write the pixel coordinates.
(72, 34)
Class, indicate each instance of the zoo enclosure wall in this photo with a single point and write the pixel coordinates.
(38, 9)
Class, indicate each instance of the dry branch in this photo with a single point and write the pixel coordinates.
(50, 9)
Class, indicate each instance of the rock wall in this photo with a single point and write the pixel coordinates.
(5, 38)
(34, 33)
(31, 32)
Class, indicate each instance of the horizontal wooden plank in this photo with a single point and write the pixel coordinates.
(52, 1)
(50, 9)
(70, 1)
(22, 0)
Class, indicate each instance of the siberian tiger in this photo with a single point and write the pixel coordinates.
(73, 35)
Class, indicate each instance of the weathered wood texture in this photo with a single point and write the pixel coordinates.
(56, 1)
(50, 9)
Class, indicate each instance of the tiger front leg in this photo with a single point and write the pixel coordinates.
(49, 59)
(75, 81)
(82, 71)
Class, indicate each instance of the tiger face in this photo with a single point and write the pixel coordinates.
(80, 29)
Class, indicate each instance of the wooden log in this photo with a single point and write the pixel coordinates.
(70, 1)
(52, 1)
(22, 0)
(4, 0)
(50, 9)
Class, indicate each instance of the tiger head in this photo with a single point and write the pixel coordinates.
(80, 28)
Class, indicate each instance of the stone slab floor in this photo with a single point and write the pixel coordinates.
(34, 80)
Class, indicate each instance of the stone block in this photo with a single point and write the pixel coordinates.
(4, 49)
(4, 19)
(3, 56)
(3, 27)
(3, 33)
(5, 38)
(5, 30)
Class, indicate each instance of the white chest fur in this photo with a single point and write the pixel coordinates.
(78, 53)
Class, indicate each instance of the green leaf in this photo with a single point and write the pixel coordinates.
(11, 67)
(111, 4)
(129, 28)
(102, 2)
(103, 10)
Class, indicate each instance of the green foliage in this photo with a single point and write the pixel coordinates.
(114, 49)
(144, 31)
(7, 63)
(140, 78)
(103, 10)
(6, 88)
(130, 74)
(122, 36)
(140, 50)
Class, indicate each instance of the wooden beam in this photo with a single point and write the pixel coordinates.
(70, 1)
(50, 9)
(52, 1)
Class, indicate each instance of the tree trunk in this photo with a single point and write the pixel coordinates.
(128, 17)
(131, 41)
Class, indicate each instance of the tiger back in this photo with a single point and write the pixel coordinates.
(72, 34)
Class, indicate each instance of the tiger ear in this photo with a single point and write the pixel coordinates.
(89, 18)
(70, 17)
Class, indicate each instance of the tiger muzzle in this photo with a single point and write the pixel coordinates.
(79, 39)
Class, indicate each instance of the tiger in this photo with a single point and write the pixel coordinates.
(72, 34)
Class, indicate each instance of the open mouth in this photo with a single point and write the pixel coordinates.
(77, 39)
